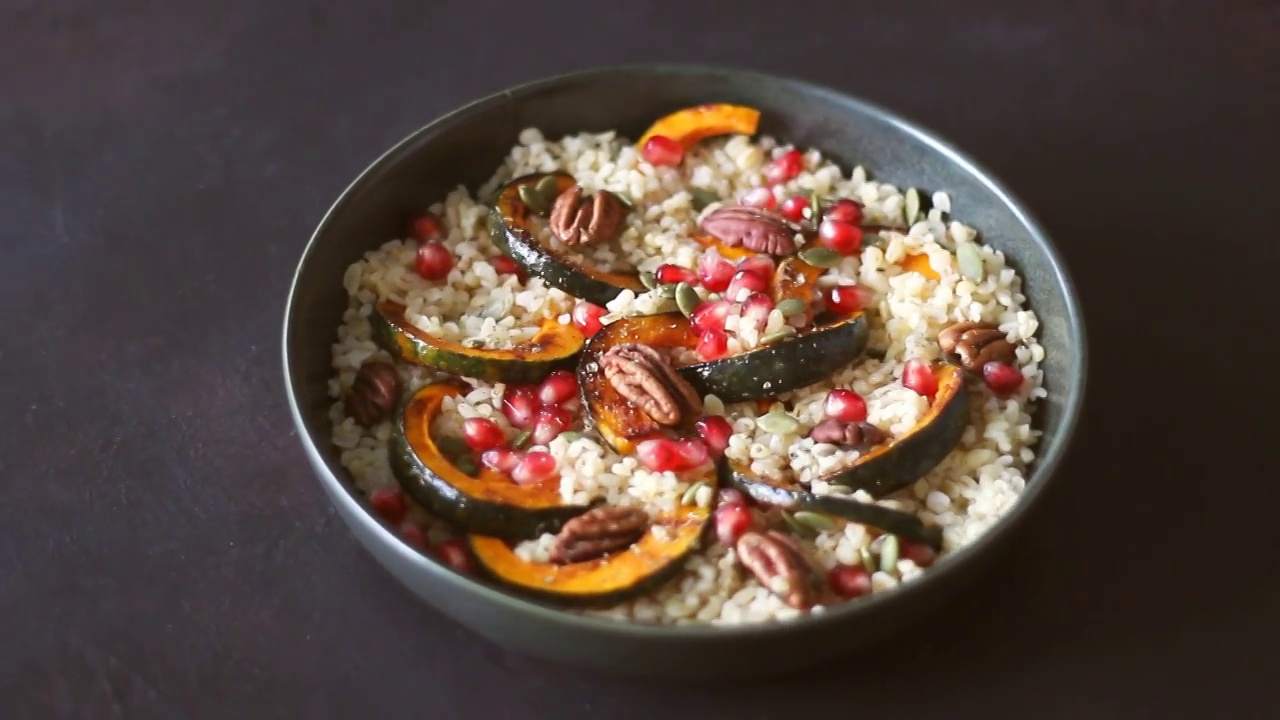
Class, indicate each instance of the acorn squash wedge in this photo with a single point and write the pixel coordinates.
(554, 347)
(691, 125)
(511, 227)
(489, 503)
(644, 566)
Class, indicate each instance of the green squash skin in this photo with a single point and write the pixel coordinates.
(793, 497)
(403, 345)
(790, 364)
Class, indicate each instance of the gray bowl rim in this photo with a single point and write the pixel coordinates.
(955, 563)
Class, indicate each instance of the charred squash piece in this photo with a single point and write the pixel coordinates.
(690, 126)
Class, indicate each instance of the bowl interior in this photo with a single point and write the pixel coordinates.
(466, 146)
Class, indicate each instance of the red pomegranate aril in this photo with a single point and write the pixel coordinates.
(389, 503)
(761, 265)
(711, 315)
(558, 388)
(731, 522)
(659, 455)
(482, 434)
(534, 467)
(501, 459)
(434, 261)
(413, 536)
(426, 227)
(551, 421)
(784, 167)
(760, 197)
(839, 236)
(669, 274)
(715, 432)
(845, 405)
(844, 299)
(793, 208)
(693, 452)
(744, 283)
(1003, 379)
(714, 272)
(730, 496)
(662, 150)
(919, 553)
(849, 581)
(918, 376)
(712, 344)
(756, 310)
(454, 554)
(844, 210)
(506, 266)
(587, 317)
(520, 405)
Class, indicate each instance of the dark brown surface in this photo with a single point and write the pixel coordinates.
(165, 552)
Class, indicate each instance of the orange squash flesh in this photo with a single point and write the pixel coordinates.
(919, 262)
(797, 279)
(694, 124)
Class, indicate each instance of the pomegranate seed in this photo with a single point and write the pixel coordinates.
(693, 452)
(918, 376)
(389, 503)
(784, 167)
(844, 210)
(715, 432)
(793, 208)
(669, 274)
(845, 405)
(506, 266)
(731, 522)
(730, 496)
(659, 455)
(844, 299)
(501, 459)
(534, 467)
(1003, 379)
(711, 315)
(714, 272)
(434, 261)
(841, 237)
(712, 344)
(426, 227)
(413, 536)
(520, 405)
(756, 310)
(587, 317)
(761, 265)
(482, 434)
(551, 421)
(761, 197)
(454, 554)
(919, 553)
(557, 388)
(662, 150)
(744, 283)
(849, 581)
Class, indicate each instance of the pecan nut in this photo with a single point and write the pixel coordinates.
(598, 532)
(855, 434)
(754, 228)
(578, 219)
(777, 561)
(644, 378)
(373, 393)
(977, 343)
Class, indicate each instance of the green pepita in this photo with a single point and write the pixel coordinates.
(453, 447)
(795, 526)
(625, 200)
(791, 306)
(702, 197)
(781, 333)
(691, 495)
(571, 435)
(467, 464)
(547, 187)
(868, 559)
(686, 298)
(778, 422)
(820, 257)
(521, 439)
(911, 206)
(817, 521)
(889, 553)
(969, 258)
(647, 279)
(533, 200)
(815, 208)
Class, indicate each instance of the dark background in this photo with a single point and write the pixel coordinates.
(165, 551)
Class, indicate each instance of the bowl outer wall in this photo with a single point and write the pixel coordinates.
(466, 145)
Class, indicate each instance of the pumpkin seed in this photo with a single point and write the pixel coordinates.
(667, 290)
(969, 258)
(625, 200)
(796, 527)
(647, 279)
(781, 333)
(889, 553)
(911, 206)
(452, 447)
(791, 306)
(547, 189)
(815, 208)
(532, 200)
(702, 197)
(571, 435)
(778, 422)
(868, 560)
(820, 257)
(521, 439)
(817, 521)
(467, 464)
(686, 298)
(691, 495)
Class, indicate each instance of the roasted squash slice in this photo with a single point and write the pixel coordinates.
(919, 262)
(511, 228)
(651, 561)
(555, 346)
(690, 126)
(490, 503)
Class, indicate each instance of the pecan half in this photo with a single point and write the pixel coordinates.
(578, 219)
(852, 434)
(598, 532)
(777, 561)
(977, 343)
(754, 228)
(643, 377)
(373, 393)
